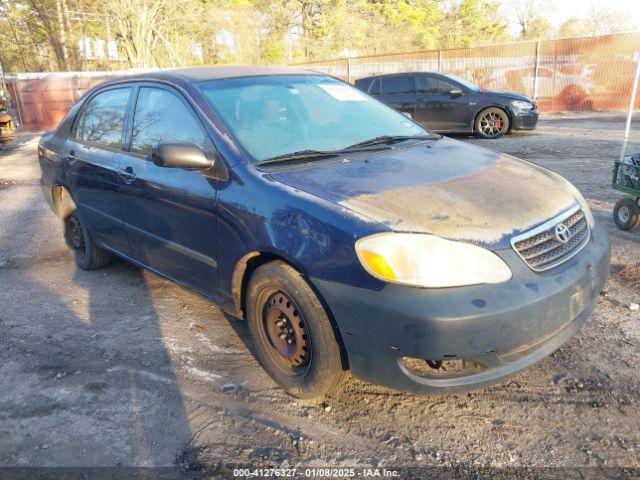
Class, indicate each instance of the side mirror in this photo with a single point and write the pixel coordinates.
(455, 92)
(180, 155)
(407, 114)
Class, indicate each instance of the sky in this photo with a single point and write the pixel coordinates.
(565, 9)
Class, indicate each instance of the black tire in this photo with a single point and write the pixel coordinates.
(87, 254)
(492, 122)
(302, 354)
(626, 213)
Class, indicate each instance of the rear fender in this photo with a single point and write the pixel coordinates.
(63, 203)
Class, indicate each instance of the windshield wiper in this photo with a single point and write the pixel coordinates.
(381, 143)
(300, 155)
(388, 140)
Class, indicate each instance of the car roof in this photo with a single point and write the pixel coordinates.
(200, 74)
(382, 75)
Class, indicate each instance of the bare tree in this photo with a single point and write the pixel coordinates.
(145, 28)
(603, 21)
(527, 12)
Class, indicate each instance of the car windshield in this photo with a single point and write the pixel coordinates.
(464, 83)
(272, 116)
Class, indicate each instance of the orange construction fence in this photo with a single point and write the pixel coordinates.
(590, 73)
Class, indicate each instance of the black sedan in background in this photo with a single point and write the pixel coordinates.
(445, 103)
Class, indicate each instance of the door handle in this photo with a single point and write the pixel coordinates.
(70, 157)
(127, 175)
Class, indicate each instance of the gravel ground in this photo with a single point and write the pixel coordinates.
(119, 368)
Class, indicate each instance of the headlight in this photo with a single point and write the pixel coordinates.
(583, 203)
(522, 105)
(422, 260)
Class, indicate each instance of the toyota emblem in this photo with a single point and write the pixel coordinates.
(563, 235)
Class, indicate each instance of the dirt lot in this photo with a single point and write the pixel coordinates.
(118, 367)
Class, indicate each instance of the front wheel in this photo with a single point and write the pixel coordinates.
(626, 213)
(293, 337)
(492, 123)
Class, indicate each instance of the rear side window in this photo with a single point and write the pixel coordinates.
(363, 84)
(398, 84)
(102, 119)
(375, 87)
(161, 116)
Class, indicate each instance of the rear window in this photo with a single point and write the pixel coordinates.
(398, 84)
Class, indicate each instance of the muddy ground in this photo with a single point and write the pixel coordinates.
(118, 367)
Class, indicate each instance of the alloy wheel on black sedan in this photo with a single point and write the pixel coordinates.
(492, 123)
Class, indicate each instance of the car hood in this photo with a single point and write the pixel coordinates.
(508, 95)
(444, 187)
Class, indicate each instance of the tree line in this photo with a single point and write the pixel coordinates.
(62, 35)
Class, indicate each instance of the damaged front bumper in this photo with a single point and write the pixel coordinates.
(471, 336)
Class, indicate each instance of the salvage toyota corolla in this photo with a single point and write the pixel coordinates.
(348, 236)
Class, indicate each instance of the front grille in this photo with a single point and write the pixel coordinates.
(541, 249)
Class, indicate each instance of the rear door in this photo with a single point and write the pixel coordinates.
(170, 213)
(91, 158)
(399, 91)
(438, 109)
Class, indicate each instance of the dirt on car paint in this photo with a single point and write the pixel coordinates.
(118, 367)
(483, 207)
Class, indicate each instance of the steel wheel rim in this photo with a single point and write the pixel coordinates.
(285, 333)
(76, 236)
(624, 214)
(492, 123)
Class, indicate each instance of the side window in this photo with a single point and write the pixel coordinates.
(398, 84)
(374, 89)
(160, 116)
(439, 85)
(363, 84)
(102, 118)
(423, 84)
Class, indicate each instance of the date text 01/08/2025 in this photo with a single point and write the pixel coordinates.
(315, 473)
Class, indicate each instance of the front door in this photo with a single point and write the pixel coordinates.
(170, 213)
(91, 159)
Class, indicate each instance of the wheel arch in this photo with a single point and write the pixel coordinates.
(249, 263)
(63, 202)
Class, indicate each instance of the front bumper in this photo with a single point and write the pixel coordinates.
(503, 328)
(525, 120)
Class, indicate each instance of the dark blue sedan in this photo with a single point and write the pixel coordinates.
(348, 236)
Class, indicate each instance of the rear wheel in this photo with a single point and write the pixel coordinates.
(492, 123)
(86, 253)
(626, 213)
(292, 334)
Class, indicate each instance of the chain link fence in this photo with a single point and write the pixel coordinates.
(578, 74)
